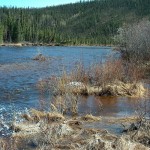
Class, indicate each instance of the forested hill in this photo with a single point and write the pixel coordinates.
(92, 22)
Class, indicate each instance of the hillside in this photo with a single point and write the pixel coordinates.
(93, 23)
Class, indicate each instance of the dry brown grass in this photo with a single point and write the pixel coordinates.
(37, 116)
(3, 144)
(51, 117)
(75, 124)
(70, 134)
(123, 89)
(90, 118)
(115, 88)
(9, 143)
(130, 119)
(114, 77)
(67, 103)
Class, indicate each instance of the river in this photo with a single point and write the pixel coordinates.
(19, 74)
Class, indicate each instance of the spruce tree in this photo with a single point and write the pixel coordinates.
(1, 34)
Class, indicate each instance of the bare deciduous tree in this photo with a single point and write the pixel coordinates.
(134, 40)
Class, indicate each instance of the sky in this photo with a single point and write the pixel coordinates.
(34, 3)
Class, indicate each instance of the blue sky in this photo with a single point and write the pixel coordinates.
(34, 3)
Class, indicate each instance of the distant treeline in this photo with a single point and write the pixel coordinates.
(90, 22)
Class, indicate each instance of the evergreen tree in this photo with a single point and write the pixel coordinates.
(86, 22)
(1, 34)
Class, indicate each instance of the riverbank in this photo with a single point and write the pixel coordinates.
(46, 44)
(52, 130)
(28, 44)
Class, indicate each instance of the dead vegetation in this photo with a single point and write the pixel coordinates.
(3, 144)
(128, 120)
(8, 144)
(69, 134)
(113, 78)
(137, 128)
(123, 89)
(37, 116)
(66, 104)
(40, 57)
(90, 118)
(134, 41)
(139, 131)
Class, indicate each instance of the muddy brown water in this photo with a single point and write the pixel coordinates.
(111, 106)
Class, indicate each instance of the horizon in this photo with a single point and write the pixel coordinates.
(34, 4)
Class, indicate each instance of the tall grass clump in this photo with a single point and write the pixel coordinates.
(114, 77)
(66, 103)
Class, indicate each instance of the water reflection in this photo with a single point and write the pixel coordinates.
(111, 106)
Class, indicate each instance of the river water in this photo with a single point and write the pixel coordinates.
(19, 74)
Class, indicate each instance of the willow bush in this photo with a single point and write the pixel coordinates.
(134, 41)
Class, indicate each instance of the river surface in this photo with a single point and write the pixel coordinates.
(19, 74)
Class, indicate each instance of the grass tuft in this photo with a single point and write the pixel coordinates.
(90, 118)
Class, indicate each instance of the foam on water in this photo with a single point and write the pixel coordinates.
(9, 114)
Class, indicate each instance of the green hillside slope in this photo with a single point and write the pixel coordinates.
(92, 23)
